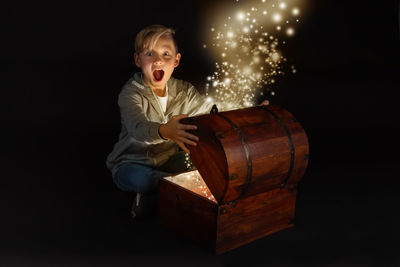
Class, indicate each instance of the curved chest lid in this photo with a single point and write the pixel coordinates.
(247, 151)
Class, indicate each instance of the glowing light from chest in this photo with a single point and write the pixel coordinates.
(194, 182)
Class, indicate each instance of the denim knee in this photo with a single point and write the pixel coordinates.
(136, 178)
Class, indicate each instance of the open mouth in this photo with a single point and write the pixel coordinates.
(158, 75)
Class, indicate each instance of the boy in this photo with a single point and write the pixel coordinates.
(151, 105)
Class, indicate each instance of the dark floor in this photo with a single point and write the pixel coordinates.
(59, 207)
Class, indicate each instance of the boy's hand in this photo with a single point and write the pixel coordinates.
(264, 103)
(176, 131)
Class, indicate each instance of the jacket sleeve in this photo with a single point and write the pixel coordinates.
(197, 103)
(136, 122)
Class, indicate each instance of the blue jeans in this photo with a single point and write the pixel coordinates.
(145, 179)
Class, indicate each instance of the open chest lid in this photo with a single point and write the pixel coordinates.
(251, 148)
(209, 156)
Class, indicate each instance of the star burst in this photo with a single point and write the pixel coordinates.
(248, 52)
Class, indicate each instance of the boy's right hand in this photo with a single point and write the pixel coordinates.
(176, 131)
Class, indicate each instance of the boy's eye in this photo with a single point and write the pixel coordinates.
(149, 54)
(166, 53)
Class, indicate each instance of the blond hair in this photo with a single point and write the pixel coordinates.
(148, 37)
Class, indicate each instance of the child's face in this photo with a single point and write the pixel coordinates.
(158, 64)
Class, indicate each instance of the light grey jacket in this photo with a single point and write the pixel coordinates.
(142, 115)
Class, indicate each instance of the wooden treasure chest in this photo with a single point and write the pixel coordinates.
(248, 163)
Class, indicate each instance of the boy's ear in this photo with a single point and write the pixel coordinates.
(137, 60)
(177, 60)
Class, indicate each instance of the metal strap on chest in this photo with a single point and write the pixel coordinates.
(246, 147)
(289, 136)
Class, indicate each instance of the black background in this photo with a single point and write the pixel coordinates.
(63, 64)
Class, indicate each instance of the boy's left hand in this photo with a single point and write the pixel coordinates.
(176, 131)
(264, 103)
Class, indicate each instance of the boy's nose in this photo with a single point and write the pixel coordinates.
(157, 60)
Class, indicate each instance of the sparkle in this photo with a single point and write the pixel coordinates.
(256, 59)
(275, 56)
(247, 70)
(240, 16)
(276, 17)
(250, 57)
(290, 31)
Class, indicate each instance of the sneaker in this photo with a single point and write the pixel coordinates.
(144, 205)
